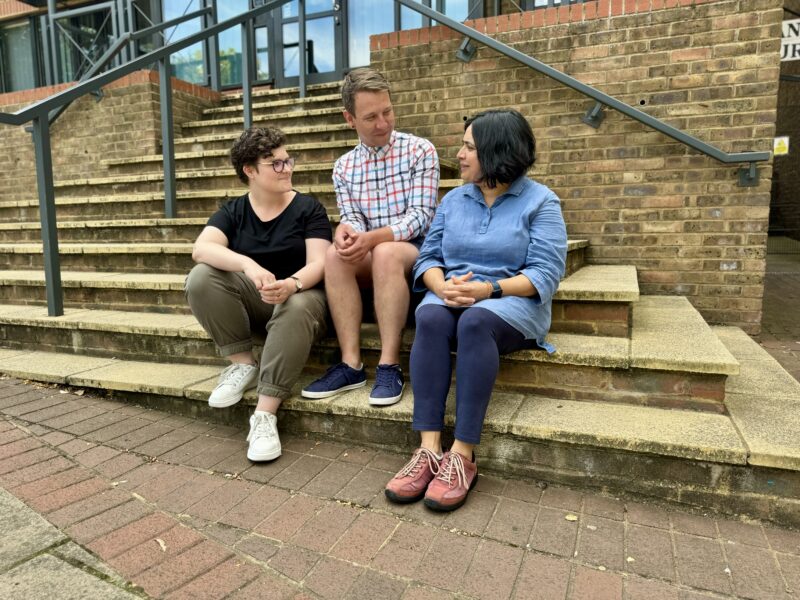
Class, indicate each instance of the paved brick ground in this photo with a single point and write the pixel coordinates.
(780, 324)
(173, 505)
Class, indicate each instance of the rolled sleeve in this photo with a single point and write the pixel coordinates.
(430, 254)
(348, 209)
(422, 196)
(546, 257)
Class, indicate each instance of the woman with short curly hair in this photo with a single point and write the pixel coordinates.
(260, 262)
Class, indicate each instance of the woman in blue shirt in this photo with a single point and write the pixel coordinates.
(490, 263)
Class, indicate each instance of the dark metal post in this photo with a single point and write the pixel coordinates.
(167, 137)
(248, 59)
(301, 30)
(53, 30)
(210, 20)
(47, 214)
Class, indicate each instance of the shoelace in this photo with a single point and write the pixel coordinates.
(453, 462)
(331, 373)
(261, 428)
(385, 377)
(232, 374)
(413, 466)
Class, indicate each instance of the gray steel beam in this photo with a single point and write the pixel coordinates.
(214, 77)
(167, 137)
(301, 41)
(248, 59)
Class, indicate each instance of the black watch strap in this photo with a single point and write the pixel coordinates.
(497, 291)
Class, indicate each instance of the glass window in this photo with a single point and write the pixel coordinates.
(457, 9)
(291, 9)
(321, 57)
(230, 42)
(188, 64)
(411, 19)
(18, 73)
(262, 54)
(366, 18)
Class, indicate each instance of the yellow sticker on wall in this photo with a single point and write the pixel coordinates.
(780, 146)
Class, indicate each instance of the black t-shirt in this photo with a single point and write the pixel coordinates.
(277, 245)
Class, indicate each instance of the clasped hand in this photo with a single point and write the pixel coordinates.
(272, 291)
(351, 245)
(460, 291)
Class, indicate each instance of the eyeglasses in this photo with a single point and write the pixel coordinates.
(279, 165)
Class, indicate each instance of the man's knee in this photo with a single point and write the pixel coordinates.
(393, 257)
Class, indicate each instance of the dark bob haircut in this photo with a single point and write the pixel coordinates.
(505, 145)
(255, 143)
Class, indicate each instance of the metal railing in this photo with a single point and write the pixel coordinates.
(38, 114)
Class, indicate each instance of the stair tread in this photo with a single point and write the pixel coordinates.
(600, 282)
(274, 103)
(312, 112)
(289, 131)
(684, 434)
(99, 224)
(258, 92)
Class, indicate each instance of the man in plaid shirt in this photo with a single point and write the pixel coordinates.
(386, 191)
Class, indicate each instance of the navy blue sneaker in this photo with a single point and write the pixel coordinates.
(389, 384)
(337, 379)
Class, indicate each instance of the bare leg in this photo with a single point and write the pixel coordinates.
(268, 404)
(432, 440)
(344, 301)
(391, 264)
(242, 358)
(463, 449)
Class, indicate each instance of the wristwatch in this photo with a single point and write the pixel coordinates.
(497, 291)
(298, 285)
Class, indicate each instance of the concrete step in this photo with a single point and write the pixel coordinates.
(298, 134)
(730, 462)
(153, 292)
(266, 93)
(650, 369)
(109, 231)
(165, 257)
(311, 152)
(265, 105)
(285, 118)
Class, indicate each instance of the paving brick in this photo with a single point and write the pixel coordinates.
(300, 473)
(35, 472)
(475, 515)
(325, 449)
(294, 562)
(376, 585)
(119, 465)
(96, 455)
(114, 518)
(289, 517)
(651, 551)
(143, 474)
(446, 561)
(236, 463)
(178, 570)
(493, 570)
(26, 459)
(364, 487)
(190, 493)
(362, 540)
(12, 434)
(56, 438)
(225, 534)
(563, 498)
(489, 484)
(603, 506)
(403, 553)
(82, 414)
(165, 443)
(51, 412)
(260, 548)
(553, 533)
(512, 522)
(358, 455)
(522, 490)
(255, 508)
(332, 479)
(121, 427)
(418, 592)
(637, 588)
(790, 567)
(114, 543)
(600, 542)
(84, 426)
(263, 472)
(221, 500)
(701, 564)
(18, 447)
(590, 584)
(542, 577)
(137, 437)
(325, 528)
(81, 501)
(331, 578)
(167, 479)
(645, 514)
(783, 540)
(742, 533)
(149, 553)
(216, 453)
(755, 572)
(20, 410)
(385, 461)
(218, 583)
(42, 487)
(693, 524)
(266, 586)
(76, 446)
(185, 452)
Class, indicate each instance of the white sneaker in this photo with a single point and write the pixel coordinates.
(263, 437)
(233, 382)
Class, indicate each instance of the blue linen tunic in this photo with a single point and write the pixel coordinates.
(522, 233)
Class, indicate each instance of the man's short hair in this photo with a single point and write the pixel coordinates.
(255, 143)
(362, 80)
(505, 144)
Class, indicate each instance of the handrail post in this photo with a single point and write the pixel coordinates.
(167, 137)
(247, 75)
(210, 19)
(47, 214)
(301, 31)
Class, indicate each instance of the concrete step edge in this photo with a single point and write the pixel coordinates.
(299, 114)
(274, 103)
(289, 131)
(107, 223)
(609, 283)
(259, 92)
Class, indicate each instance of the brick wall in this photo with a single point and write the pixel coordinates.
(125, 123)
(708, 67)
(785, 205)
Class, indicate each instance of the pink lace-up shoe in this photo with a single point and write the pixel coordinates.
(448, 490)
(412, 480)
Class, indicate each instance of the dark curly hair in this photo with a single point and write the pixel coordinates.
(505, 145)
(255, 143)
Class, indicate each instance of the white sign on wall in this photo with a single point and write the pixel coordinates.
(790, 40)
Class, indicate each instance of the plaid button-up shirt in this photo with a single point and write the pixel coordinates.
(395, 185)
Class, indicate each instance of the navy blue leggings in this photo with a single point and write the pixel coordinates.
(479, 337)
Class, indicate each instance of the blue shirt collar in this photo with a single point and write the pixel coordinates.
(515, 189)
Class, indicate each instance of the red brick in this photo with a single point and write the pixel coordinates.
(116, 542)
(323, 530)
(168, 479)
(56, 438)
(403, 553)
(651, 551)
(41, 487)
(373, 585)
(191, 492)
(742, 533)
(11, 435)
(596, 585)
(289, 517)
(553, 533)
(20, 410)
(493, 570)
(332, 578)
(80, 501)
(266, 586)
(294, 562)
(222, 580)
(119, 465)
(701, 563)
(178, 570)
(755, 572)
(512, 522)
(96, 455)
(362, 540)
(637, 588)
(149, 553)
(76, 446)
(542, 577)
(601, 542)
(258, 547)
(255, 508)
(17, 447)
(213, 506)
(114, 518)
(449, 553)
